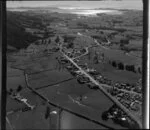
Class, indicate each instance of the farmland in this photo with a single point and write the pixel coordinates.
(88, 68)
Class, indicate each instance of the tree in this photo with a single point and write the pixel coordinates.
(104, 115)
(65, 39)
(123, 42)
(10, 91)
(130, 68)
(139, 70)
(120, 66)
(47, 112)
(69, 38)
(127, 68)
(114, 64)
(19, 88)
(49, 41)
(70, 45)
(42, 41)
(133, 68)
(101, 32)
(57, 39)
(89, 55)
(45, 34)
(102, 56)
(95, 58)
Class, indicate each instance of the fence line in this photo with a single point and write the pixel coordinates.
(65, 109)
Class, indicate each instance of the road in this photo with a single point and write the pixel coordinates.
(80, 34)
(102, 89)
(100, 44)
(67, 109)
(87, 51)
(123, 90)
(108, 42)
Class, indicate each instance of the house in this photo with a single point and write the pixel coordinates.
(92, 86)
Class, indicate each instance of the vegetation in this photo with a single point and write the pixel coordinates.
(90, 38)
(16, 35)
(68, 38)
(121, 66)
(57, 40)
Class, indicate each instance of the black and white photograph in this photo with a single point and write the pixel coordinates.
(74, 65)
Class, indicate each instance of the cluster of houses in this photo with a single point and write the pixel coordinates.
(129, 100)
(72, 53)
(119, 117)
(16, 96)
(75, 72)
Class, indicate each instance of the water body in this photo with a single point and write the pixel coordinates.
(118, 4)
(86, 8)
(69, 121)
(80, 12)
(89, 12)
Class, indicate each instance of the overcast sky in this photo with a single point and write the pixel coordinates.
(123, 4)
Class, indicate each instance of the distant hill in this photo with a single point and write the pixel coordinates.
(16, 35)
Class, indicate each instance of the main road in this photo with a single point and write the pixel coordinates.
(132, 116)
(108, 42)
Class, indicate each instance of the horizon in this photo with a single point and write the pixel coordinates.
(123, 4)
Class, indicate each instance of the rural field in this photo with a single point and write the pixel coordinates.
(74, 66)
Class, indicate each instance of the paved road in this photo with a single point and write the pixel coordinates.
(87, 51)
(100, 44)
(123, 90)
(108, 42)
(80, 34)
(103, 90)
(95, 118)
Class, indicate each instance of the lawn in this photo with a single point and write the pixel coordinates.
(34, 119)
(31, 97)
(70, 121)
(118, 55)
(36, 64)
(12, 104)
(48, 77)
(110, 72)
(93, 103)
(15, 78)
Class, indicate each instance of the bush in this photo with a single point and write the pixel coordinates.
(104, 116)
(130, 68)
(114, 64)
(19, 88)
(120, 66)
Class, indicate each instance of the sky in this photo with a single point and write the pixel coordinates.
(123, 4)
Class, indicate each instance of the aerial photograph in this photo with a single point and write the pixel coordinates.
(74, 64)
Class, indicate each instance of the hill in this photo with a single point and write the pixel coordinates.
(16, 35)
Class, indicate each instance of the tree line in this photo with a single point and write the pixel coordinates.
(118, 65)
(121, 66)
